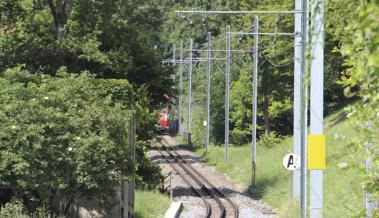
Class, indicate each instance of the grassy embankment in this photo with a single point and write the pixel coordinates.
(342, 190)
(151, 204)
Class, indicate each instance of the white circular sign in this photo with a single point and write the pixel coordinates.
(292, 161)
(205, 123)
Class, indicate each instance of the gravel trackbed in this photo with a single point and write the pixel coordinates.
(193, 207)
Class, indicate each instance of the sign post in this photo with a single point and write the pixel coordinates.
(316, 142)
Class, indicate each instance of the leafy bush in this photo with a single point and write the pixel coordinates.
(16, 210)
(269, 140)
(61, 134)
(148, 174)
(362, 79)
(240, 137)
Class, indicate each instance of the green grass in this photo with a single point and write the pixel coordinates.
(151, 204)
(343, 195)
(180, 140)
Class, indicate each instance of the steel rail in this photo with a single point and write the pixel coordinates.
(205, 202)
(234, 206)
(203, 187)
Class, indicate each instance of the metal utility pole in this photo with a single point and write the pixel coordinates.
(189, 89)
(180, 128)
(255, 100)
(173, 111)
(317, 102)
(208, 90)
(227, 93)
(174, 54)
(303, 110)
(297, 96)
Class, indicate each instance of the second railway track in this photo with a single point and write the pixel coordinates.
(224, 207)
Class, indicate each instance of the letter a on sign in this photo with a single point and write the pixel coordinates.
(291, 161)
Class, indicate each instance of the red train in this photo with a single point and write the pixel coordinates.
(164, 117)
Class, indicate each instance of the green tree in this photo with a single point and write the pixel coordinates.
(362, 79)
(63, 135)
(112, 39)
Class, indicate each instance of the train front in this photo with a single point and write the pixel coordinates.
(164, 117)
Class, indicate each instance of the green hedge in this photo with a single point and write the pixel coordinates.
(65, 133)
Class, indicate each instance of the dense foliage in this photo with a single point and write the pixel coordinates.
(61, 134)
(362, 79)
(112, 39)
(86, 65)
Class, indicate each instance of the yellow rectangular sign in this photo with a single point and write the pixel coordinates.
(316, 152)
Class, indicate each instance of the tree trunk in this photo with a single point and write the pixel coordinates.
(51, 199)
(61, 11)
(61, 33)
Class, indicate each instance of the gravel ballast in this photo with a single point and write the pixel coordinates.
(193, 206)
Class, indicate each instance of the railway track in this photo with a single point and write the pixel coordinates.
(193, 188)
(221, 208)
